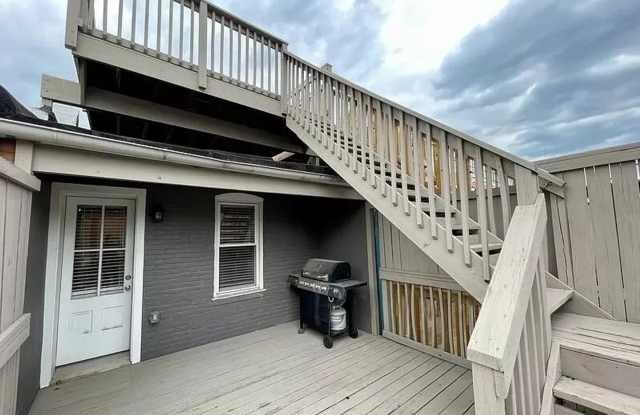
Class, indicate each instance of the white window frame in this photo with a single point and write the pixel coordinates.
(238, 199)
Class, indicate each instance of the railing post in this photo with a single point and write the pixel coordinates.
(284, 74)
(72, 23)
(485, 394)
(202, 45)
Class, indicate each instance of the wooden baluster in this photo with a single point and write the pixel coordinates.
(262, 62)
(393, 308)
(461, 332)
(423, 328)
(366, 109)
(345, 125)
(213, 41)
(134, 9)
(322, 96)
(146, 24)
(441, 344)
(393, 151)
(402, 137)
(505, 197)
(231, 49)
(482, 210)
(371, 138)
(536, 360)
(239, 53)
(304, 79)
(246, 56)
(417, 162)
(222, 45)
(452, 343)
(445, 191)
(463, 187)
(276, 79)
(383, 148)
(159, 27)
(181, 29)
(432, 319)
(425, 132)
(317, 95)
(268, 65)
(120, 19)
(193, 33)
(105, 14)
(354, 131)
(413, 313)
(170, 46)
(255, 60)
(489, 161)
(407, 323)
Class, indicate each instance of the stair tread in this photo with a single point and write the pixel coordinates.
(491, 245)
(557, 297)
(595, 397)
(612, 339)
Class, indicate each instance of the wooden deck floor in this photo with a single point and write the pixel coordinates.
(272, 371)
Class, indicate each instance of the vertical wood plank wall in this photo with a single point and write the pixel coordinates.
(596, 236)
(421, 304)
(15, 214)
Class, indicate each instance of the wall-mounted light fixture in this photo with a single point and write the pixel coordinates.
(157, 214)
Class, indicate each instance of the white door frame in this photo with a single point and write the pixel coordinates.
(59, 194)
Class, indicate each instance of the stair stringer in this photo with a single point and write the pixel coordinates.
(578, 304)
(452, 262)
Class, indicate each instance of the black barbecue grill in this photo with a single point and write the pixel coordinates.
(324, 286)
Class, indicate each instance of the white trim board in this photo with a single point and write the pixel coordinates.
(72, 162)
(59, 193)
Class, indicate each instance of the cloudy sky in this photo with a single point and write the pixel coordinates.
(539, 78)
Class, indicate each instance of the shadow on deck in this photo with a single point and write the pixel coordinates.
(272, 371)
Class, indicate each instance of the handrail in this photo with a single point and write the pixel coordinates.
(511, 341)
(480, 143)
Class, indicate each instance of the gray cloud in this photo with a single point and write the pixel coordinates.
(32, 36)
(542, 78)
(540, 67)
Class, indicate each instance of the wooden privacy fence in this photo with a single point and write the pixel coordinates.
(596, 228)
(16, 187)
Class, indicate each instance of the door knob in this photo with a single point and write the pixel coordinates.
(127, 288)
(127, 277)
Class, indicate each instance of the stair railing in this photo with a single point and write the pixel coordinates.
(511, 341)
(466, 187)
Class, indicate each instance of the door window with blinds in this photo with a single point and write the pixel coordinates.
(99, 250)
(238, 245)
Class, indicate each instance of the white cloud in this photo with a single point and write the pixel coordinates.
(418, 34)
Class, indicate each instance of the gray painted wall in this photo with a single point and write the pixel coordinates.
(29, 379)
(179, 265)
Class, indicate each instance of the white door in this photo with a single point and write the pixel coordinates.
(95, 291)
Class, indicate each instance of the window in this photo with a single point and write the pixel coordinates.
(238, 245)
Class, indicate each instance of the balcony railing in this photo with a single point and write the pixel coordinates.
(193, 34)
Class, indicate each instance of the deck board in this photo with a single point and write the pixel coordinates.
(272, 371)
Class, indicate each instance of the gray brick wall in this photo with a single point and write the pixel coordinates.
(178, 275)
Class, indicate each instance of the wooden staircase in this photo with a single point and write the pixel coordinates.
(420, 175)
(594, 366)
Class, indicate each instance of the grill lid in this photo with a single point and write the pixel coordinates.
(326, 269)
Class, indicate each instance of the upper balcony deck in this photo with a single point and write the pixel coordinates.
(191, 44)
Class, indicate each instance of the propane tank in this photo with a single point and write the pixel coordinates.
(338, 318)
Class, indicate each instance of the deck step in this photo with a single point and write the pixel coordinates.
(494, 248)
(595, 397)
(557, 297)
